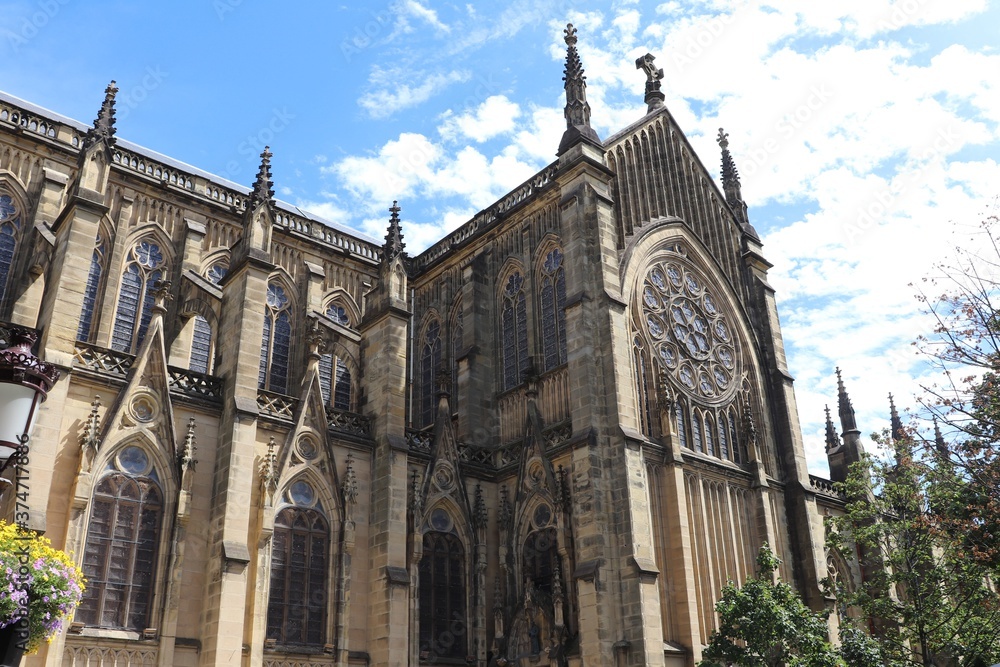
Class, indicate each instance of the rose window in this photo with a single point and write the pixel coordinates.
(689, 333)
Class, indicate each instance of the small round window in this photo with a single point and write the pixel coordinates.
(543, 514)
(440, 520)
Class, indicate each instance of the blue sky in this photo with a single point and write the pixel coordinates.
(866, 131)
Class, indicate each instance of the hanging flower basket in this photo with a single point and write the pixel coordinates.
(38, 579)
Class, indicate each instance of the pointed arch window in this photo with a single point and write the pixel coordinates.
(643, 385)
(541, 556)
(143, 269)
(335, 381)
(723, 440)
(300, 557)
(709, 437)
(696, 432)
(430, 363)
(443, 624)
(123, 535)
(10, 236)
(513, 331)
(201, 345)
(734, 439)
(680, 415)
(276, 342)
(553, 298)
(90, 291)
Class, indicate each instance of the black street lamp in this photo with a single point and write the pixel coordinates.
(25, 380)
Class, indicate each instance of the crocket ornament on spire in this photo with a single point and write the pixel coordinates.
(104, 124)
(263, 187)
(394, 245)
(577, 110)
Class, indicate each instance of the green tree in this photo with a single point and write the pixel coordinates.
(927, 602)
(764, 623)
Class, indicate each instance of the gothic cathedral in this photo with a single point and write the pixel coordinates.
(551, 438)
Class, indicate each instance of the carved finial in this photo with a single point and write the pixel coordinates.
(479, 512)
(315, 339)
(263, 192)
(161, 295)
(394, 245)
(90, 437)
(654, 98)
(847, 420)
(530, 376)
(104, 124)
(664, 395)
(750, 429)
(557, 591)
(577, 109)
(832, 439)
(443, 378)
(189, 449)
(350, 485)
(269, 472)
(497, 595)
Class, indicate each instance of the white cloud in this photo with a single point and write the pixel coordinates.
(419, 11)
(392, 94)
(497, 115)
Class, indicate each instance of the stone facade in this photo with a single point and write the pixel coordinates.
(550, 438)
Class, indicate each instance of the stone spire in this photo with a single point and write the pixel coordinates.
(847, 420)
(832, 439)
(263, 187)
(939, 443)
(577, 109)
(731, 179)
(394, 246)
(895, 422)
(654, 98)
(104, 125)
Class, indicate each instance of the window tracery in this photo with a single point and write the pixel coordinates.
(121, 549)
(296, 609)
(553, 301)
(336, 312)
(144, 268)
(276, 342)
(216, 273)
(430, 363)
(90, 291)
(443, 624)
(10, 235)
(335, 381)
(513, 331)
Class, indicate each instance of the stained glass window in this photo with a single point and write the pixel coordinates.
(443, 624)
(338, 314)
(216, 273)
(120, 554)
(296, 609)
(276, 342)
(723, 440)
(553, 298)
(10, 232)
(338, 385)
(681, 428)
(144, 267)
(709, 437)
(696, 432)
(90, 291)
(430, 362)
(201, 345)
(513, 331)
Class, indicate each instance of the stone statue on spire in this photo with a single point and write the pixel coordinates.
(577, 109)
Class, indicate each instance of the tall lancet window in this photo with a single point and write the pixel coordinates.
(300, 557)
(123, 535)
(335, 381)
(513, 331)
(553, 298)
(443, 624)
(144, 267)
(90, 291)
(10, 236)
(277, 341)
(430, 362)
(201, 345)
